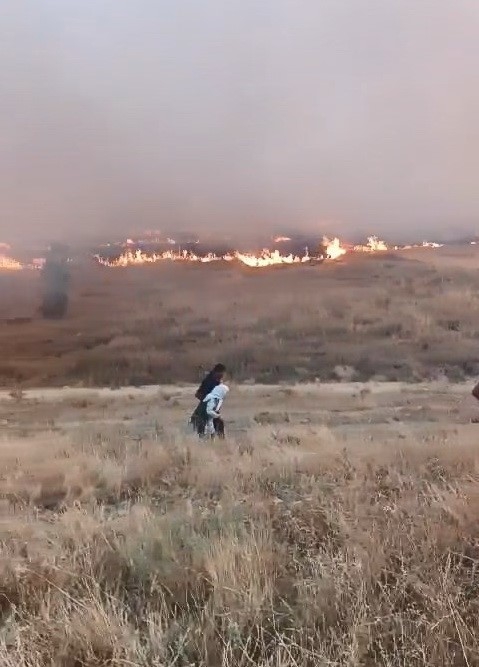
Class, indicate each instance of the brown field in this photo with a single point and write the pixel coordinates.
(336, 526)
(408, 316)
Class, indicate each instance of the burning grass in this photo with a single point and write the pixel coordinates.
(328, 249)
(265, 552)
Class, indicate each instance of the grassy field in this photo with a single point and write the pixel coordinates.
(336, 526)
(332, 528)
(406, 316)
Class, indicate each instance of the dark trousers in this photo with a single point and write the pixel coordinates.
(219, 425)
(199, 419)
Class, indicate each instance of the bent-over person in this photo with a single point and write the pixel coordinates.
(209, 412)
(210, 381)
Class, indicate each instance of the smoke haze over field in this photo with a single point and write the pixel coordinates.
(342, 115)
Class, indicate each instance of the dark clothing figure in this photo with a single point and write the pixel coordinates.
(199, 418)
(208, 421)
(210, 381)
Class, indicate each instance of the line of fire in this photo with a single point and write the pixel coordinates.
(152, 248)
(282, 250)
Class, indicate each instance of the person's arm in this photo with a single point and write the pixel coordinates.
(212, 408)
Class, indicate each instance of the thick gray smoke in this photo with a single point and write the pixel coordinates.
(339, 116)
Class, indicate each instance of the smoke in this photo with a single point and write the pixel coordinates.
(56, 282)
(341, 116)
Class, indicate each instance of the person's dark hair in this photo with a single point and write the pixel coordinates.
(219, 368)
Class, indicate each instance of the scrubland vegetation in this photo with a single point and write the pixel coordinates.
(337, 529)
(257, 552)
(399, 317)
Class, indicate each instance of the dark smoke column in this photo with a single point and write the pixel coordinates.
(56, 279)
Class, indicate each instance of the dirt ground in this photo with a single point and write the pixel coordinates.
(352, 413)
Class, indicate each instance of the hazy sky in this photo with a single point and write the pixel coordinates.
(347, 115)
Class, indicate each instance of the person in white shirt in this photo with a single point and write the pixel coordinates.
(210, 412)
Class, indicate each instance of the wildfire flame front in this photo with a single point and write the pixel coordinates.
(333, 249)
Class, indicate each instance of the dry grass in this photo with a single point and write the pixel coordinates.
(396, 318)
(301, 542)
(270, 552)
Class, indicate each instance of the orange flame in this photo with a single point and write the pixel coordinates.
(334, 249)
(374, 244)
(424, 244)
(268, 258)
(9, 264)
(265, 258)
(137, 258)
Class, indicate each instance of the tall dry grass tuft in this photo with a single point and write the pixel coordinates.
(278, 553)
